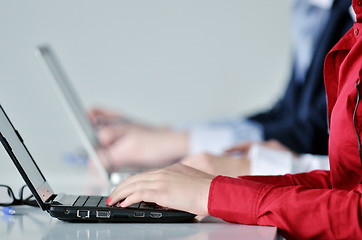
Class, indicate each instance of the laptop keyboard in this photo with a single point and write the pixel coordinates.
(99, 201)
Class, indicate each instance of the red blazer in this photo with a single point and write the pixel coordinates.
(318, 204)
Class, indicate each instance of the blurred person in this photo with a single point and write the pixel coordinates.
(297, 121)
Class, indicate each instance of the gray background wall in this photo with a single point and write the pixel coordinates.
(161, 61)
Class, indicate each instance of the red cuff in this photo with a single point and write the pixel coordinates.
(234, 199)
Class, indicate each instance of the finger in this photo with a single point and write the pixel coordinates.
(92, 115)
(139, 182)
(99, 115)
(121, 193)
(139, 196)
(112, 121)
(95, 111)
(244, 147)
(142, 177)
(104, 112)
(274, 144)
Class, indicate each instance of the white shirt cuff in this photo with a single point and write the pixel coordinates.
(267, 161)
(309, 162)
(216, 137)
(209, 139)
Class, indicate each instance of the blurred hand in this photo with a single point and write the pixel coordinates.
(145, 146)
(273, 144)
(129, 143)
(168, 188)
(101, 116)
(226, 165)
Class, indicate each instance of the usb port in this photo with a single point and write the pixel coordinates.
(139, 214)
(103, 214)
(155, 215)
(83, 213)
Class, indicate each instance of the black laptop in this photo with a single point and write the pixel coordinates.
(76, 208)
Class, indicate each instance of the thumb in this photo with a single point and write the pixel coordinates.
(243, 147)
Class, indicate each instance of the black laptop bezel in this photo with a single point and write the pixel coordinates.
(45, 189)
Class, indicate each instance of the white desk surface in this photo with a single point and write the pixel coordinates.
(40, 225)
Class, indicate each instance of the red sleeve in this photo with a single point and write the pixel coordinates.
(298, 211)
(314, 179)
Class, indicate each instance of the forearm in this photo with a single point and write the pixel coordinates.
(299, 212)
(314, 179)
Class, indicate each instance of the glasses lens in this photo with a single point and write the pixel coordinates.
(27, 197)
(6, 196)
(26, 193)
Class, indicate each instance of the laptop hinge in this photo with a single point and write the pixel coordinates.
(50, 199)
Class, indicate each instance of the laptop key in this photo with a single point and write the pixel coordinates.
(80, 201)
(65, 199)
(92, 201)
(102, 203)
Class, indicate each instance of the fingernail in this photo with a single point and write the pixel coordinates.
(108, 200)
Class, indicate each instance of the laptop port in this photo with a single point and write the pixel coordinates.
(83, 213)
(139, 214)
(103, 214)
(155, 215)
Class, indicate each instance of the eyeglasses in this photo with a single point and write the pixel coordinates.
(7, 197)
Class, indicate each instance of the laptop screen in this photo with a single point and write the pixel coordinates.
(73, 106)
(66, 91)
(14, 145)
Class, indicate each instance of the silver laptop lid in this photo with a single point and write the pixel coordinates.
(73, 106)
(65, 90)
(14, 145)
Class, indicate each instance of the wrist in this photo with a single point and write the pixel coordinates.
(204, 201)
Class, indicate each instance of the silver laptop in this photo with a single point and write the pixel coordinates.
(78, 115)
